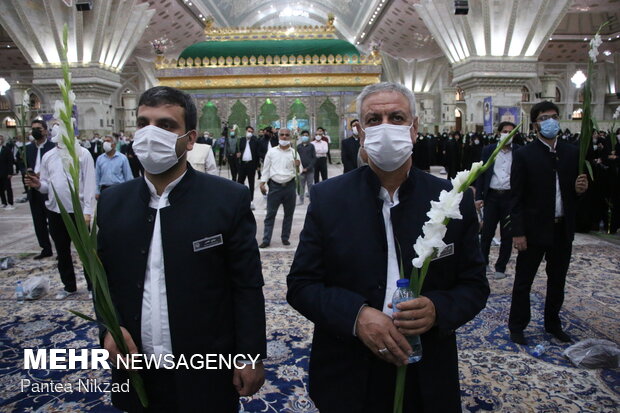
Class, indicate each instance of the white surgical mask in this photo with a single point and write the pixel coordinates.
(388, 146)
(107, 147)
(248, 135)
(317, 137)
(476, 141)
(503, 135)
(156, 148)
(284, 143)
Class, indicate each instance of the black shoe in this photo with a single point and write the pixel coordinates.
(518, 337)
(263, 245)
(286, 242)
(43, 254)
(559, 334)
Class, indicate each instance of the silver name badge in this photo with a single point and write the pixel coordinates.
(449, 250)
(209, 242)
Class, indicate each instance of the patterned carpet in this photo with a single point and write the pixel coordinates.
(496, 375)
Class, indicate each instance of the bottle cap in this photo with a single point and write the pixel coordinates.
(402, 283)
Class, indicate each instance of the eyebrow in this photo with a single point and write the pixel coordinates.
(391, 114)
(173, 122)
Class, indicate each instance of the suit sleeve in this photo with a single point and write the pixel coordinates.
(517, 186)
(461, 303)
(247, 281)
(309, 292)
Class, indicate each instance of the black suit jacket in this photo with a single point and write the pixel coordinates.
(31, 152)
(340, 265)
(253, 148)
(532, 180)
(350, 147)
(6, 161)
(483, 183)
(215, 299)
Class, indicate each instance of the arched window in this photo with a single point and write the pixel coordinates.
(525, 94)
(9, 122)
(35, 102)
(558, 95)
(460, 95)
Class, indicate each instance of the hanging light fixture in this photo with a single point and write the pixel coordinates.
(578, 79)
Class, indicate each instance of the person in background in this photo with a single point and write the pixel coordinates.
(321, 148)
(34, 152)
(112, 168)
(326, 138)
(53, 177)
(279, 173)
(232, 149)
(202, 159)
(544, 189)
(493, 193)
(350, 148)
(307, 155)
(248, 160)
(421, 153)
(7, 170)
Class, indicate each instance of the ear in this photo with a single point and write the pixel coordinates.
(414, 129)
(191, 140)
(360, 133)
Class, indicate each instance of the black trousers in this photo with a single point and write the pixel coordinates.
(62, 241)
(233, 163)
(39, 218)
(280, 194)
(557, 256)
(496, 210)
(247, 169)
(320, 167)
(6, 191)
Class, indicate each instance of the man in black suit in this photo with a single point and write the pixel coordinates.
(34, 153)
(350, 148)
(180, 255)
(493, 193)
(248, 160)
(346, 287)
(545, 186)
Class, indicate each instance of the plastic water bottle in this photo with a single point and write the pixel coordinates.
(538, 350)
(403, 293)
(19, 292)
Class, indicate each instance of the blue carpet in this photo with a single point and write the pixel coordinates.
(496, 375)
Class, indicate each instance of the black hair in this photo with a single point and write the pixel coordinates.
(320, 127)
(352, 122)
(249, 127)
(540, 107)
(162, 95)
(42, 122)
(305, 131)
(505, 123)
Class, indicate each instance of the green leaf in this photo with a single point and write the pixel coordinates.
(589, 166)
(84, 316)
(399, 389)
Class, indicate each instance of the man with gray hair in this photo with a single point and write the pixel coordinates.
(346, 287)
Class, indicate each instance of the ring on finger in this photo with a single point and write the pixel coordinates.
(383, 351)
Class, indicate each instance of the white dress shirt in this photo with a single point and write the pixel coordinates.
(53, 176)
(559, 207)
(37, 164)
(155, 324)
(393, 271)
(501, 171)
(278, 166)
(247, 153)
(320, 148)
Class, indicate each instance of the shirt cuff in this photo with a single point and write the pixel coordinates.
(358, 316)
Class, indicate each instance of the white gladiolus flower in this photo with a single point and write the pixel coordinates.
(71, 98)
(594, 44)
(448, 204)
(59, 108)
(617, 113)
(459, 180)
(475, 166)
(423, 250)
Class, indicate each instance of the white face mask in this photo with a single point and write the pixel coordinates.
(248, 134)
(388, 146)
(31, 138)
(284, 143)
(318, 137)
(156, 148)
(503, 135)
(107, 147)
(476, 141)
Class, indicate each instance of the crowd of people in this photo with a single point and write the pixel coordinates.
(207, 264)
